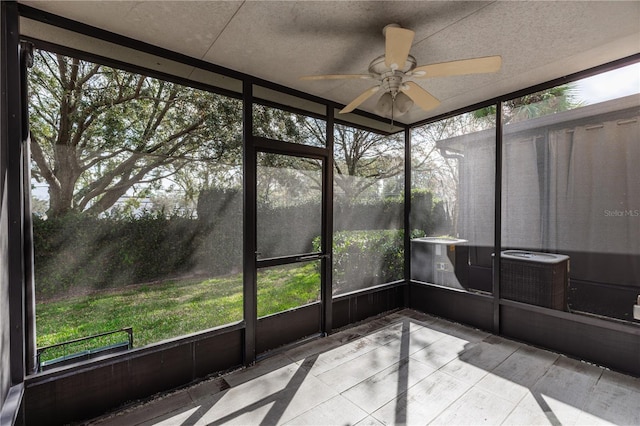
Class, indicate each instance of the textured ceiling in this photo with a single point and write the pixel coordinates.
(281, 41)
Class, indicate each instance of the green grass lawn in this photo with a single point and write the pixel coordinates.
(171, 309)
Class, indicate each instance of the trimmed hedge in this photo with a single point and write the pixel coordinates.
(80, 253)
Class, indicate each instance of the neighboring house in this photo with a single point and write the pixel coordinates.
(569, 186)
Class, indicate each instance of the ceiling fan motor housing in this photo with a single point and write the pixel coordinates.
(392, 83)
(390, 80)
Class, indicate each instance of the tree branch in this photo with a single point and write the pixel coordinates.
(41, 161)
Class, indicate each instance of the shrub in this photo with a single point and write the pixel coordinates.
(363, 259)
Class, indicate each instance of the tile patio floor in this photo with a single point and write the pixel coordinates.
(404, 368)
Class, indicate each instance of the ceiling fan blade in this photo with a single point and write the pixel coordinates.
(419, 96)
(337, 77)
(397, 46)
(360, 99)
(465, 66)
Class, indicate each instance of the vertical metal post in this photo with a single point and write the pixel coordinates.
(13, 140)
(26, 61)
(497, 243)
(327, 229)
(250, 285)
(407, 216)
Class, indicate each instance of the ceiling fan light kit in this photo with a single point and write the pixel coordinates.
(403, 103)
(397, 67)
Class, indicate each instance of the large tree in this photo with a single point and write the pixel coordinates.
(363, 158)
(99, 132)
(550, 101)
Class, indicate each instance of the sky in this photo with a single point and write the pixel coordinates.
(610, 85)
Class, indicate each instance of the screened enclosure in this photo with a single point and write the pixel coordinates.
(177, 219)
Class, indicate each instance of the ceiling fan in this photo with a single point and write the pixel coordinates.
(396, 67)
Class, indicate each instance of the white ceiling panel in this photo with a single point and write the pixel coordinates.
(74, 40)
(183, 26)
(281, 41)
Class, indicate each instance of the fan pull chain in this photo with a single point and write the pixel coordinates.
(393, 102)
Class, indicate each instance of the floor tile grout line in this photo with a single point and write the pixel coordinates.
(472, 386)
(395, 395)
(386, 345)
(301, 362)
(517, 404)
(530, 387)
(396, 364)
(580, 409)
(592, 389)
(452, 402)
(392, 324)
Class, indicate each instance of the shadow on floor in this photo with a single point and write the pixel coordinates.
(404, 368)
